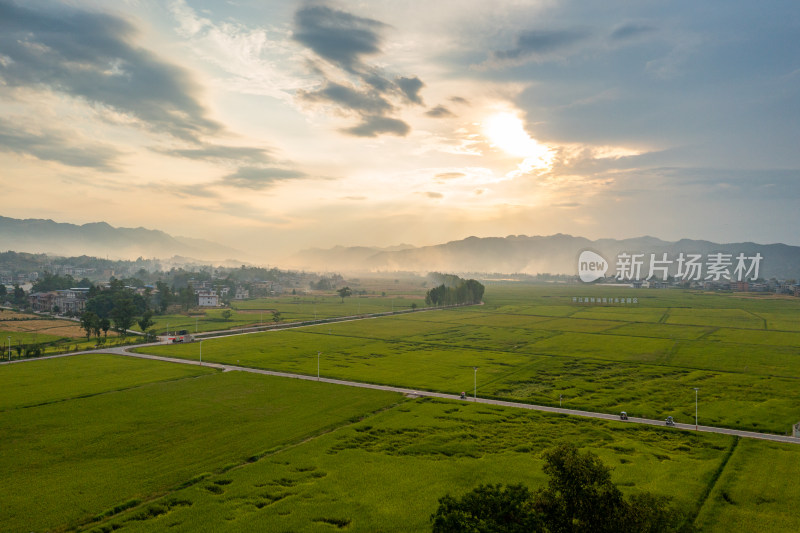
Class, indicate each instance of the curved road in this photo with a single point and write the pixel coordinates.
(414, 393)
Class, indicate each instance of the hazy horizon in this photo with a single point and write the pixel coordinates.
(283, 126)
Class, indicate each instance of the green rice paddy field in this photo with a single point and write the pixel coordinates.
(534, 344)
(101, 442)
(258, 312)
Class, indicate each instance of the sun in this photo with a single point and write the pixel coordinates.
(506, 131)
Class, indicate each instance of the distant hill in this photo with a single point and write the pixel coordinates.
(554, 254)
(100, 239)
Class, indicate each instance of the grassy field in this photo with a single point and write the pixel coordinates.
(102, 442)
(534, 344)
(85, 434)
(387, 472)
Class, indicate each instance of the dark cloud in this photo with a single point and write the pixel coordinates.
(54, 145)
(91, 56)
(219, 153)
(411, 88)
(363, 102)
(376, 125)
(540, 44)
(259, 178)
(439, 111)
(337, 36)
(630, 31)
(459, 100)
(345, 40)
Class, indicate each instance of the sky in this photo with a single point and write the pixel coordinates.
(276, 126)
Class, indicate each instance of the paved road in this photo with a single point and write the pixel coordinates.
(411, 392)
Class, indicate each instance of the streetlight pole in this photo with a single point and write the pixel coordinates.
(318, 366)
(695, 407)
(9, 348)
(201, 353)
(475, 393)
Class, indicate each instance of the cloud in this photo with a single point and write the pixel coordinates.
(410, 88)
(450, 175)
(259, 178)
(363, 102)
(439, 112)
(50, 144)
(337, 36)
(376, 125)
(91, 55)
(434, 195)
(221, 154)
(630, 31)
(538, 45)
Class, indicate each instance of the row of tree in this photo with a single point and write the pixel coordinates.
(459, 292)
(579, 497)
(117, 306)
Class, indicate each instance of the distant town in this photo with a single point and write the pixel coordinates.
(61, 285)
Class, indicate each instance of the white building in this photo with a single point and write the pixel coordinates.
(207, 299)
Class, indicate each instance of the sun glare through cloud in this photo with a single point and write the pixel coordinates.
(506, 131)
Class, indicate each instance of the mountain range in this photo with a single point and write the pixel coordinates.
(99, 239)
(554, 254)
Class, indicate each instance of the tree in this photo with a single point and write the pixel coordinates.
(276, 316)
(488, 508)
(344, 292)
(124, 312)
(187, 297)
(226, 314)
(88, 321)
(3, 291)
(146, 321)
(164, 298)
(105, 325)
(19, 295)
(579, 497)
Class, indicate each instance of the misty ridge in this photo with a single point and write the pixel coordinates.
(517, 254)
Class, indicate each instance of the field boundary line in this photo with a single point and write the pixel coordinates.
(715, 479)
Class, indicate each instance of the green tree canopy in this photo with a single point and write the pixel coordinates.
(344, 292)
(579, 497)
(53, 282)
